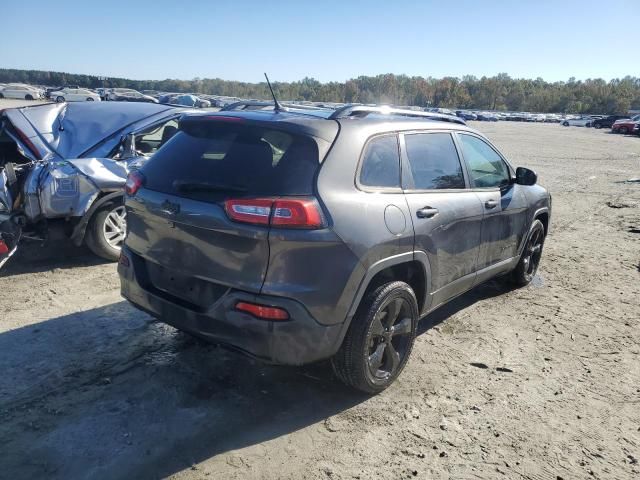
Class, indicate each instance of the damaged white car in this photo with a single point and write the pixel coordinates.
(63, 169)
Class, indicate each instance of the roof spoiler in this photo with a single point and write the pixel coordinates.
(364, 110)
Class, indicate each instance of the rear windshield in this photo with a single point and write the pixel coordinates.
(210, 161)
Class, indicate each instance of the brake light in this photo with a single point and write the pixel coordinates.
(263, 312)
(28, 143)
(135, 180)
(4, 248)
(302, 213)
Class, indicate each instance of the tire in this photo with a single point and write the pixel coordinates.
(370, 342)
(623, 130)
(60, 99)
(588, 125)
(28, 97)
(101, 225)
(530, 258)
(89, 99)
(597, 126)
(566, 124)
(1, 95)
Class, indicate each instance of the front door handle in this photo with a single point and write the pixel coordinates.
(427, 212)
(489, 204)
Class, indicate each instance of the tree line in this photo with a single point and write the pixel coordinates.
(500, 92)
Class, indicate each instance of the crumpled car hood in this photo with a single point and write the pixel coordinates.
(71, 129)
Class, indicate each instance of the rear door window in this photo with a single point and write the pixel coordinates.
(211, 160)
(434, 161)
(381, 163)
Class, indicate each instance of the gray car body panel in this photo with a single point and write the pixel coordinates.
(326, 271)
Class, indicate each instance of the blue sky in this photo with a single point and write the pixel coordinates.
(324, 39)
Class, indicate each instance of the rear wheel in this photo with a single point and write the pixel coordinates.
(566, 124)
(106, 231)
(530, 259)
(89, 99)
(28, 97)
(60, 99)
(379, 340)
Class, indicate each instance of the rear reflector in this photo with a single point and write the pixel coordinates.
(134, 181)
(263, 312)
(4, 248)
(291, 212)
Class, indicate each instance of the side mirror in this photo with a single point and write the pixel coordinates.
(524, 176)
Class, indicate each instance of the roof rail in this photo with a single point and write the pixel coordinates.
(364, 110)
(245, 105)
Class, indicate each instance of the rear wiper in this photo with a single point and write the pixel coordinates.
(184, 186)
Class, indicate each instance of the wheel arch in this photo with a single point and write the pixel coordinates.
(80, 229)
(410, 267)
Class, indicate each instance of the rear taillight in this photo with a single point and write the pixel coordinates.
(4, 248)
(29, 144)
(302, 213)
(262, 311)
(135, 180)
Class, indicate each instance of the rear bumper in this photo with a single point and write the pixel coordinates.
(298, 341)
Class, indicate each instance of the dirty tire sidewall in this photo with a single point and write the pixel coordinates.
(350, 363)
(94, 237)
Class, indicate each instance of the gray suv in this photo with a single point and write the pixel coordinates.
(299, 235)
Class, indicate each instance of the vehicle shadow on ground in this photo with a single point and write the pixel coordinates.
(34, 257)
(109, 393)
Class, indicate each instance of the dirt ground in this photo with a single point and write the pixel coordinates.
(538, 383)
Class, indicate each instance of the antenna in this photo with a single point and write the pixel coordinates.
(277, 106)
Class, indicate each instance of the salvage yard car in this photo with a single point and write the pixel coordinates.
(625, 126)
(300, 235)
(21, 92)
(578, 122)
(63, 167)
(74, 95)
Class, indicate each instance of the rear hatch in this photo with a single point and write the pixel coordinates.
(180, 224)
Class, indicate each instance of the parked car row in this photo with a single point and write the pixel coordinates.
(20, 91)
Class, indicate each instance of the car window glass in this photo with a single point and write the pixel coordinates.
(151, 139)
(486, 167)
(434, 161)
(381, 163)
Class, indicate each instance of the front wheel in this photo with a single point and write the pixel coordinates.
(530, 258)
(566, 124)
(28, 97)
(624, 130)
(89, 99)
(597, 126)
(106, 231)
(379, 340)
(60, 99)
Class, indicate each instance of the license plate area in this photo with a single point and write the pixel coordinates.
(200, 293)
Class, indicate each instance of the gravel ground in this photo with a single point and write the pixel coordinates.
(537, 383)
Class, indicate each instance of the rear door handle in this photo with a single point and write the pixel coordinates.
(489, 204)
(427, 212)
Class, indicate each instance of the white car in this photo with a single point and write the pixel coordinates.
(577, 122)
(74, 95)
(22, 92)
